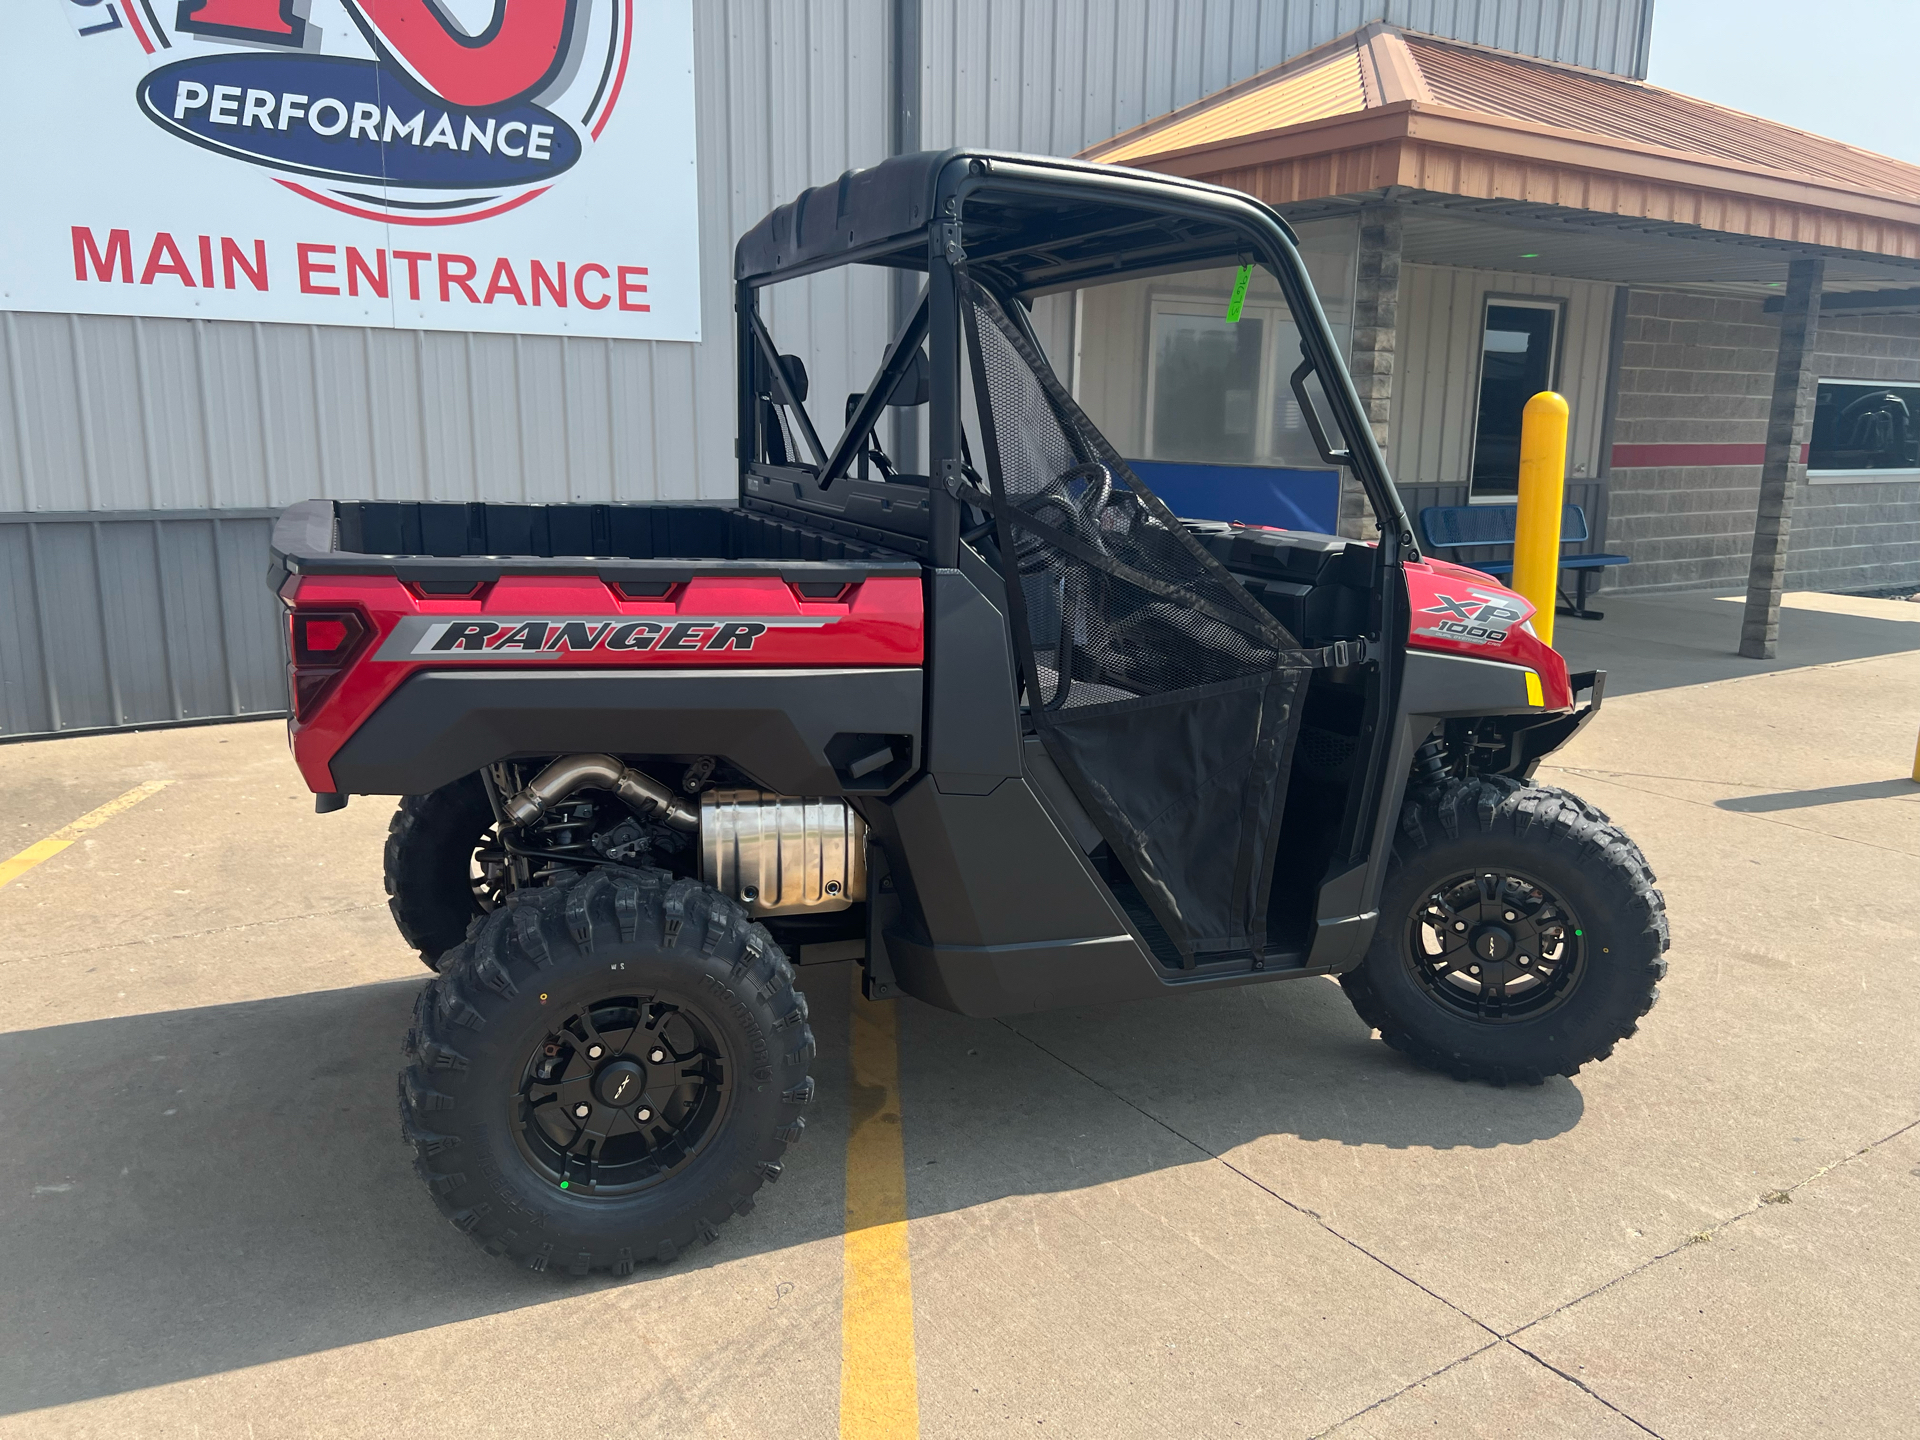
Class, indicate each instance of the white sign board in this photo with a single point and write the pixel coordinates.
(511, 165)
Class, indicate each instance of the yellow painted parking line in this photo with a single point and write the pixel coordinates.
(63, 837)
(879, 1394)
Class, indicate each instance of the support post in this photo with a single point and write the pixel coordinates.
(903, 138)
(1376, 317)
(1789, 423)
(1543, 491)
(944, 432)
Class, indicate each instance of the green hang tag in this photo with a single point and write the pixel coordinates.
(1239, 294)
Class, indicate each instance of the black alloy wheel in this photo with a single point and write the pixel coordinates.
(1520, 934)
(622, 1094)
(1495, 945)
(607, 1070)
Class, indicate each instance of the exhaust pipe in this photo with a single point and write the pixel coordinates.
(569, 773)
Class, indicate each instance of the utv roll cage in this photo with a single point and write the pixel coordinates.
(1022, 226)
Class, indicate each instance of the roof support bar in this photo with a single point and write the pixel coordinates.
(867, 414)
(777, 373)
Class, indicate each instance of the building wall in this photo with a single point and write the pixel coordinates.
(1055, 76)
(1697, 371)
(1436, 385)
(169, 426)
(108, 413)
(118, 434)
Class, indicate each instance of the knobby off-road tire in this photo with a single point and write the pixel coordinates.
(1536, 841)
(430, 845)
(555, 972)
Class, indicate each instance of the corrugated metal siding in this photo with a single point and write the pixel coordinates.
(1437, 373)
(112, 619)
(1056, 76)
(109, 413)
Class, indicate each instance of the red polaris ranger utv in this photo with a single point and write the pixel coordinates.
(1008, 733)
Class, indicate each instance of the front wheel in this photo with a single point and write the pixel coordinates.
(1520, 934)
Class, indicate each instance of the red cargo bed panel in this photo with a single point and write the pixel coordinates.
(583, 622)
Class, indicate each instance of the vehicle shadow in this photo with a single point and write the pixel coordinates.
(201, 1190)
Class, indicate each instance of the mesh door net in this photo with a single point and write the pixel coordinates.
(1168, 696)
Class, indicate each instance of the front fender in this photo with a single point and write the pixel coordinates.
(1436, 686)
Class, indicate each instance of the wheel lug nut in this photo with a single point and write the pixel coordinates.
(582, 1111)
(1512, 916)
(656, 1055)
(594, 1052)
(1459, 924)
(1473, 969)
(643, 1113)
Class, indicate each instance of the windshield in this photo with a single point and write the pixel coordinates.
(1186, 374)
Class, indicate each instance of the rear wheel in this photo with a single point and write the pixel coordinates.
(1520, 934)
(443, 869)
(606, 1072)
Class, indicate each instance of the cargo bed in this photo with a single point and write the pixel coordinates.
(458, 546)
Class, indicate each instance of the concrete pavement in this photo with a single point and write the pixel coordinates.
(1221, 1214)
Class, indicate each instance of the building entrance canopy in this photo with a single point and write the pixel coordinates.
(1384, 111)
(1701, 284)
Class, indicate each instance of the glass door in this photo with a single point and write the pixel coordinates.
(1518, 343)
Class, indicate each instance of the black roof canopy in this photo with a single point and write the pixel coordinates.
(1035, 221)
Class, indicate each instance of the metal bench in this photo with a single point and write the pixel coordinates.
(1454, 527)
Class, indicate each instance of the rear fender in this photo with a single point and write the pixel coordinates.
(796, 732)
(497, 648)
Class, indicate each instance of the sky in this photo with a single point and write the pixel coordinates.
(1845, 69)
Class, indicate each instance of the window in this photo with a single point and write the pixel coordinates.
(1864, 430)
(1204, 383)
(1164, 374)
(1517, 344)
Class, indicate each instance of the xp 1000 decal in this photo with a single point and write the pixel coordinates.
(1479, 617)
(511, 165)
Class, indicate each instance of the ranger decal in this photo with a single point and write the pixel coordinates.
(519, 638)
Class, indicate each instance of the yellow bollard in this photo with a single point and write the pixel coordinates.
(1543, 488)
(1916, 762)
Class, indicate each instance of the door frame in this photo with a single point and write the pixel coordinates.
(1556, 354)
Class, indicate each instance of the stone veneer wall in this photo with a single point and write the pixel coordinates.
(1696, 371)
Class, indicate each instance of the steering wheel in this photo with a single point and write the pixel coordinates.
(1078, 515)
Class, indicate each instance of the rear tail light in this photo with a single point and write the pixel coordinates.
(324, 643)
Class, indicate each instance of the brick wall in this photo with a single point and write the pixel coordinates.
(1694, 370)
(1697, 370)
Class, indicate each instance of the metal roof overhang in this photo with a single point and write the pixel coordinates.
(1440, 229)
(1472, 184)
